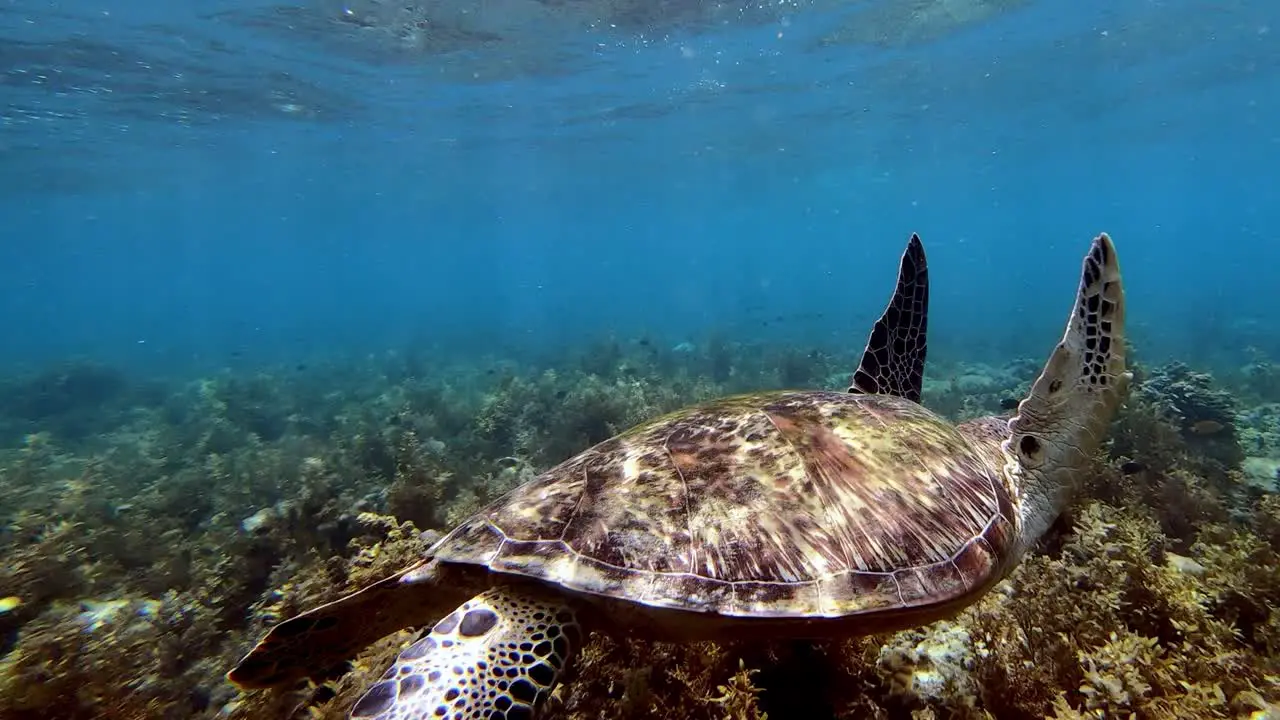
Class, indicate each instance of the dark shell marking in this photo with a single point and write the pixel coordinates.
(787, 504)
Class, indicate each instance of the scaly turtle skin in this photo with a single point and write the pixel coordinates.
(795, 514)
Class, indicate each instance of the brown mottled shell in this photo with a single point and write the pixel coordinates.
(785, 504)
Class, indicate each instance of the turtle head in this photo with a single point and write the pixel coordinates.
(1060, 424)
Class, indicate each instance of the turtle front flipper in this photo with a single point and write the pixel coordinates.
(497, 656)
(893, 362)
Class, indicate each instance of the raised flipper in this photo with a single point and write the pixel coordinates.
(893, 362)
(497, 656)
(320, 639)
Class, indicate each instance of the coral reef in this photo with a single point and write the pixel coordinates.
(74, 400)
(1203, 414)
(153, 531)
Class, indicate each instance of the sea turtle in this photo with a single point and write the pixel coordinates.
(790, 514)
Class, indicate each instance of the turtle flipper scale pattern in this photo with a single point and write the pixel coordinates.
(893, 361)
(498, 656)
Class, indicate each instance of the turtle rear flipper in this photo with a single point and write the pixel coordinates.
(498, 655)
(320, 639)
(893, 361)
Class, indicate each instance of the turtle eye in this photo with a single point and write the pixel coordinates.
(1031, 449)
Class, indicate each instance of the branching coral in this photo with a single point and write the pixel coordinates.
(145, 562)
(1204, 414)
(109, 658)
(1115, 626)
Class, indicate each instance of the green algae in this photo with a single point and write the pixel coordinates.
(155, 532)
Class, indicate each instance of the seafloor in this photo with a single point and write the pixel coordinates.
(153, 529)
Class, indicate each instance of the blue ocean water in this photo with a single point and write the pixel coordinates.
(288, 287)
(185, 183)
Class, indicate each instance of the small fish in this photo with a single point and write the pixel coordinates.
(1183, 564)
(1010, 403)
(9, 604)
(1132, 467)
(1207, 427)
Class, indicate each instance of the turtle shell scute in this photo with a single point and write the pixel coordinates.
(787, 504)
